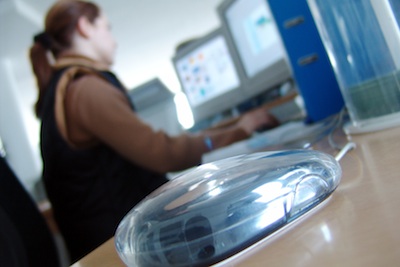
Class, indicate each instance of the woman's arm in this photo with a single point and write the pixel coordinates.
(98, 112)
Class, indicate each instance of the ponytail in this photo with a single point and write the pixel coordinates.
(60, 24)
(41, 67)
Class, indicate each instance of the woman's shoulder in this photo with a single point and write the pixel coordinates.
(94, 87)
(92, 83)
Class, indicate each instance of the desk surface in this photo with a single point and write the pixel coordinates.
(357, 226)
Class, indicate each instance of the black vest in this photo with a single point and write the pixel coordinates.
(90, 189)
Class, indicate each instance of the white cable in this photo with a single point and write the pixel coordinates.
(349, 146)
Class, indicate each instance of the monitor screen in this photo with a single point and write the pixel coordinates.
(256, 40)
(208, 75)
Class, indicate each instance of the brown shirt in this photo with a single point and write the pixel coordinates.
(89, 110)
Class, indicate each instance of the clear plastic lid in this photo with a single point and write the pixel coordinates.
(218, 209)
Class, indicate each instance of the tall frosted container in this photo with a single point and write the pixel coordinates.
(362, 39)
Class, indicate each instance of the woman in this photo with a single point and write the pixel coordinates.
(99, 158)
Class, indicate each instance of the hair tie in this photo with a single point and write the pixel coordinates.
(44, 39)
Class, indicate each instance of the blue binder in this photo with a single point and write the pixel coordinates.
(307, 56)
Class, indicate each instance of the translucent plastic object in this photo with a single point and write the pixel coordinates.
(218, 209)
(362, 39)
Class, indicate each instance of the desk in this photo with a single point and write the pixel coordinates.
(358, 225)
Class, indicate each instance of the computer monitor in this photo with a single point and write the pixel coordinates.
(208, 75)
(153, 98)
(149, 94)
(256, 42)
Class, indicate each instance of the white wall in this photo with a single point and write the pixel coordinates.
(19, 128)
(147, 32)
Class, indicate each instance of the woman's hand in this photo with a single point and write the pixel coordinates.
(257, 119)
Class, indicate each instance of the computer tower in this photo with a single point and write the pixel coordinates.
(308, 59)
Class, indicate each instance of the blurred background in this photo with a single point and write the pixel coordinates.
(147, 33)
